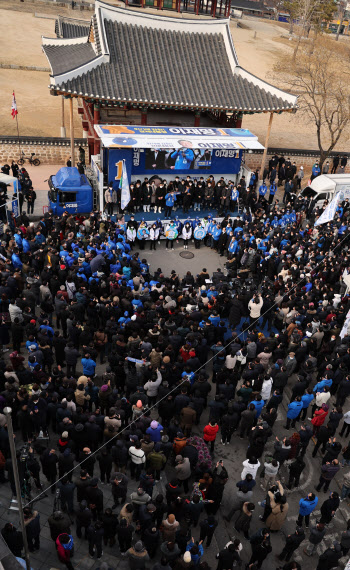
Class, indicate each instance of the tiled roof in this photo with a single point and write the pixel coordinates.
(250, 5)
(67, 57)
(163, 61)
(71, 28)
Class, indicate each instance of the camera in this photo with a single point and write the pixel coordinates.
(24, 453)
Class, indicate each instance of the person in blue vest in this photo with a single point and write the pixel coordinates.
(170, 198)
(262, 190)
(217, 231)
(89, 365)
(211, 227)
(234, 199)
(294, 409)
(233, 247)
(273, 190)
(316, 171)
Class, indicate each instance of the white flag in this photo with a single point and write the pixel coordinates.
(124, 185)
(329, 212)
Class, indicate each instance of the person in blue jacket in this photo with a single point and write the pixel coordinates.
(89, 365)
(320, 386)
(273, 190)
(316, 171)
(306, 399)
(306, 507)
(16, 260)
(259, 404)
(170, 198)
(154, 431)
(18, 239)
(294, 409)
(184, 157)
(196, 550)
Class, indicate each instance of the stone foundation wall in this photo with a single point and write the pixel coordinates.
(56, 153)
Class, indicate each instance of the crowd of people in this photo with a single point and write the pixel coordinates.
(177, 380)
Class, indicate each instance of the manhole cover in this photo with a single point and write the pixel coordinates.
(186, 254)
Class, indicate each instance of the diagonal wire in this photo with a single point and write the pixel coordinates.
(186, 380)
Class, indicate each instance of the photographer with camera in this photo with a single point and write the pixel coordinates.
(254, 306)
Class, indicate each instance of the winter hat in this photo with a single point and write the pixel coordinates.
(178, 458)
(79, 427)
(165, 438)
(139, 546)
(187, 557)
(154, 424)
(92, 419)
(65, 434)
(104, 388)
(139, 404)
(65, 421)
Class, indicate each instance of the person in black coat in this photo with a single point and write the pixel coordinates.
(119, 488)
(293, 541)
(49, 461)
(323, 437)
(83, 518)
(67, 489)
(124, 533)
(261, 547)
(295, 470)
(94, 535)
(236, 312)
(32, 525)
(208, 527)
(330, 558)
(110, 523)
(105, 463)
(333, 448)
(95, 498)
(229, 555)
(13, 539)
(59, 523)
(329, 507)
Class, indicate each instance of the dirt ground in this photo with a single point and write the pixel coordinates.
(257, 48)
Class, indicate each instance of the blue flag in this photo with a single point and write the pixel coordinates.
(125, 190)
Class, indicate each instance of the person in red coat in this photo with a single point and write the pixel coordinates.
(319, 417)
(209, 434)
(65, 549)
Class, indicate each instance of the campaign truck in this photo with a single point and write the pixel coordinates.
(70, 192)
(326, 186)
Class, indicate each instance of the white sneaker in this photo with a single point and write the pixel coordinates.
(5, 349)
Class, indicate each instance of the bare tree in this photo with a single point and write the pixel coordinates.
(319, 76)
(309, 15)
(341, 13)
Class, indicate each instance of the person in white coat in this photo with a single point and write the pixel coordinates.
(131, 235)
(266, 388)
(153, 237)
(250, 466)
(186, 234)
(255, 305)
(151, 387)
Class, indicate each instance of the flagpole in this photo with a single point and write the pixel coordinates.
(19, 144)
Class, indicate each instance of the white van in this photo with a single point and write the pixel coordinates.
(325, 186)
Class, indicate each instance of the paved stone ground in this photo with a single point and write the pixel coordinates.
(233, 455)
